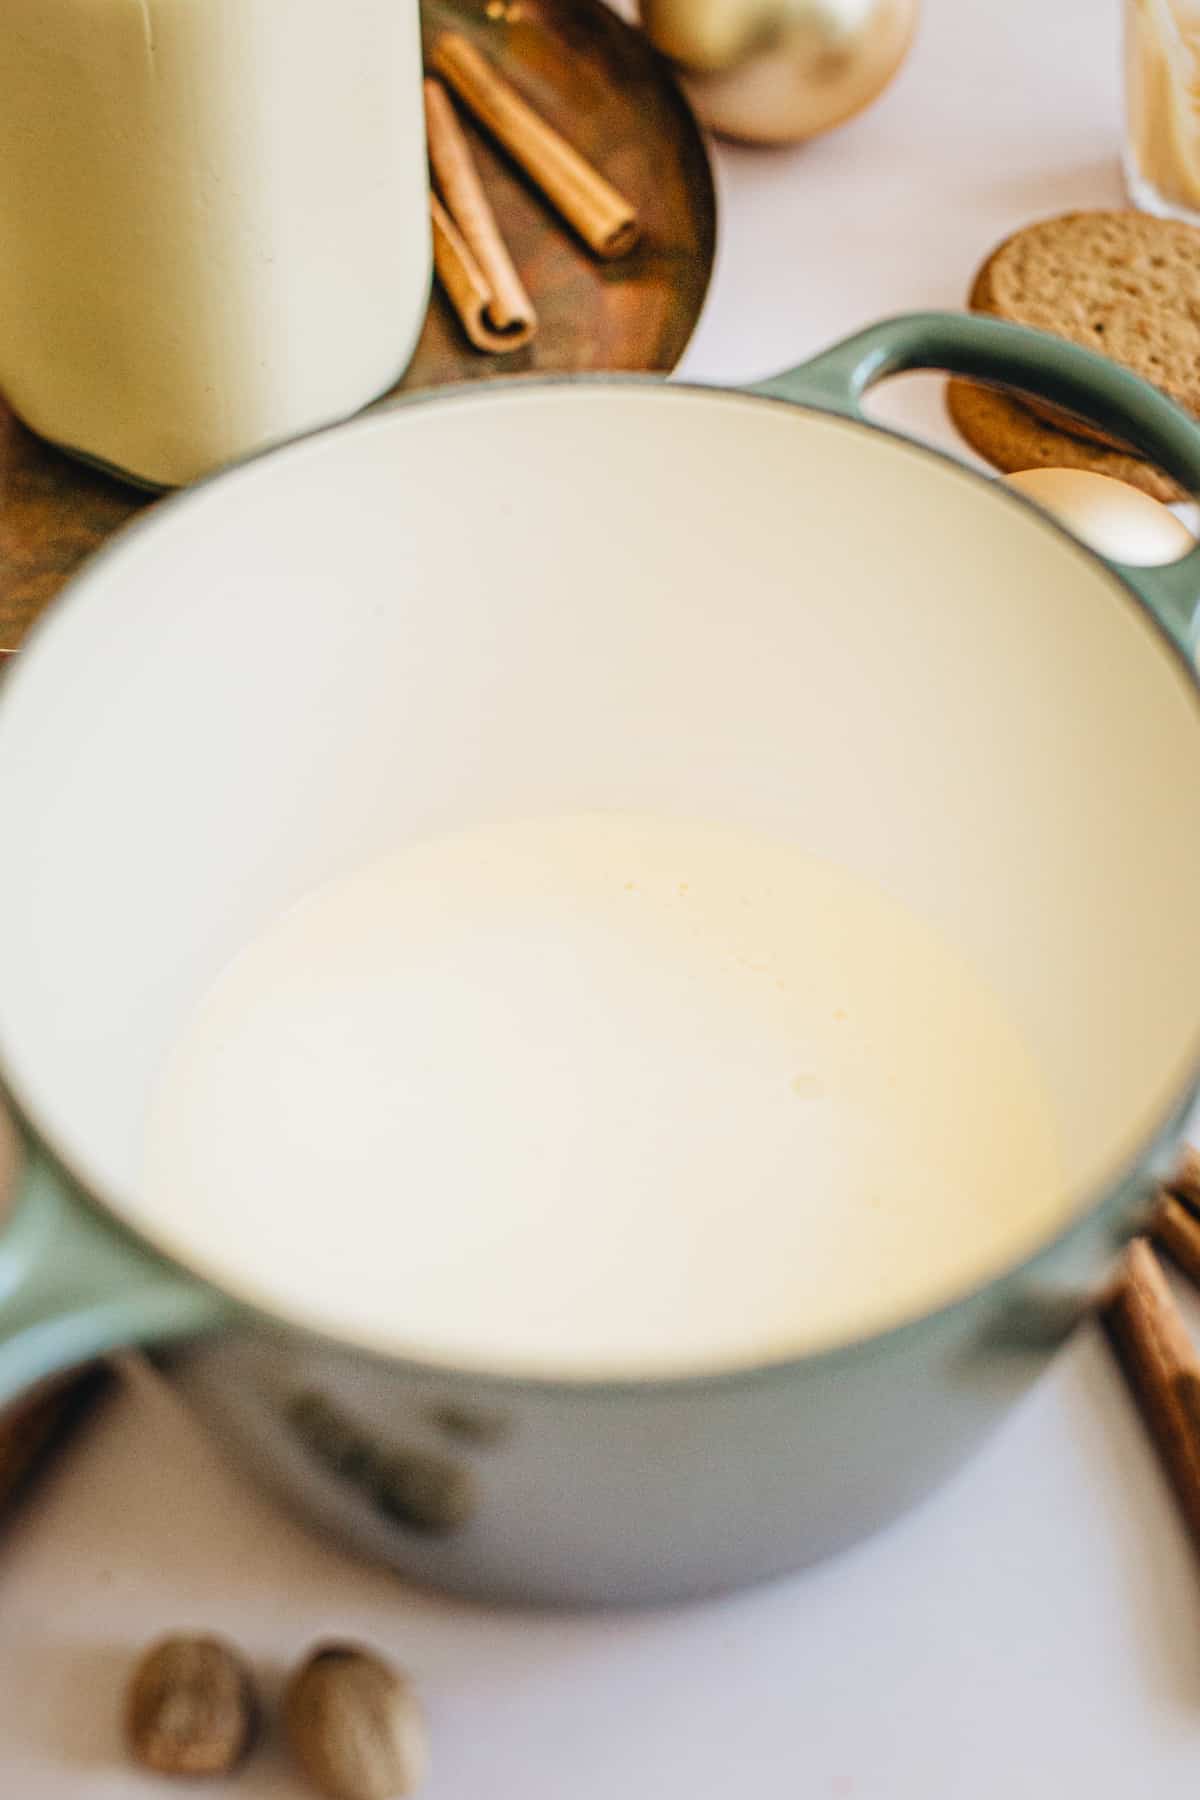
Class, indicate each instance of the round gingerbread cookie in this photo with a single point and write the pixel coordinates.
(1121, 283)
(981, 301)
(1011, 438)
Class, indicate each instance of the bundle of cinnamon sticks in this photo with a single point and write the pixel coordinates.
(471, 258)
(1153, 1344)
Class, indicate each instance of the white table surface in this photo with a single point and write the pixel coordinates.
(1034, 1630)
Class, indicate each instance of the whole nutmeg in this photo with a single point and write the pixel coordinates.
(355, 1725)
(191, 1708)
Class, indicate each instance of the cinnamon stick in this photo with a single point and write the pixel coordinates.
(1177, 1231)
(605, 220)
(1188, 1389)
(502, 317)
(464, 281)
(1185, 1183)
(1163, 1372)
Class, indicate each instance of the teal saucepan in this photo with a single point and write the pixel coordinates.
(623, 598)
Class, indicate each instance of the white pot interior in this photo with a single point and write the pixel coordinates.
(613, 597)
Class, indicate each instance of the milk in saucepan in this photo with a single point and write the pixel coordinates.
(601, 1094)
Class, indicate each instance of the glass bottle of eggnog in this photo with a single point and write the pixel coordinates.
(1162, 105)
(213, 221)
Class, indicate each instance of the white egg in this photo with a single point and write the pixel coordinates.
(1109, 516)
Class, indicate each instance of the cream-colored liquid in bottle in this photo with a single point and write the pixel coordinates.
(214, 226)
(600, 1095)
(1162, 90)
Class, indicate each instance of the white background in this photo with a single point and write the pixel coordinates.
(1035, 1629)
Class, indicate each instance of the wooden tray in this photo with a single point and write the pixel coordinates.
(595, 78)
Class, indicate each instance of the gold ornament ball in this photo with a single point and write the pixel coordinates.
(778, 71)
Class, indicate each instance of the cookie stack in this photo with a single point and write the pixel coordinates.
(1122, 283)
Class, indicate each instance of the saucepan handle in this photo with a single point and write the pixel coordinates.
(74, 1285)
(1046, 368)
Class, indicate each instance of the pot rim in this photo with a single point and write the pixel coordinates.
(1159, 1138)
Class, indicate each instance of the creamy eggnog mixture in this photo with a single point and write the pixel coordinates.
(214, 224)
(600, 1094)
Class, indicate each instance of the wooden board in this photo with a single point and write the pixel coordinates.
(33, 1432)
(598, 80)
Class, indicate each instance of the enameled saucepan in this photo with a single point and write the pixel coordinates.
(754, 606)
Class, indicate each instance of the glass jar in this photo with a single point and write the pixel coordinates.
(214, 229)
(1162, 99)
